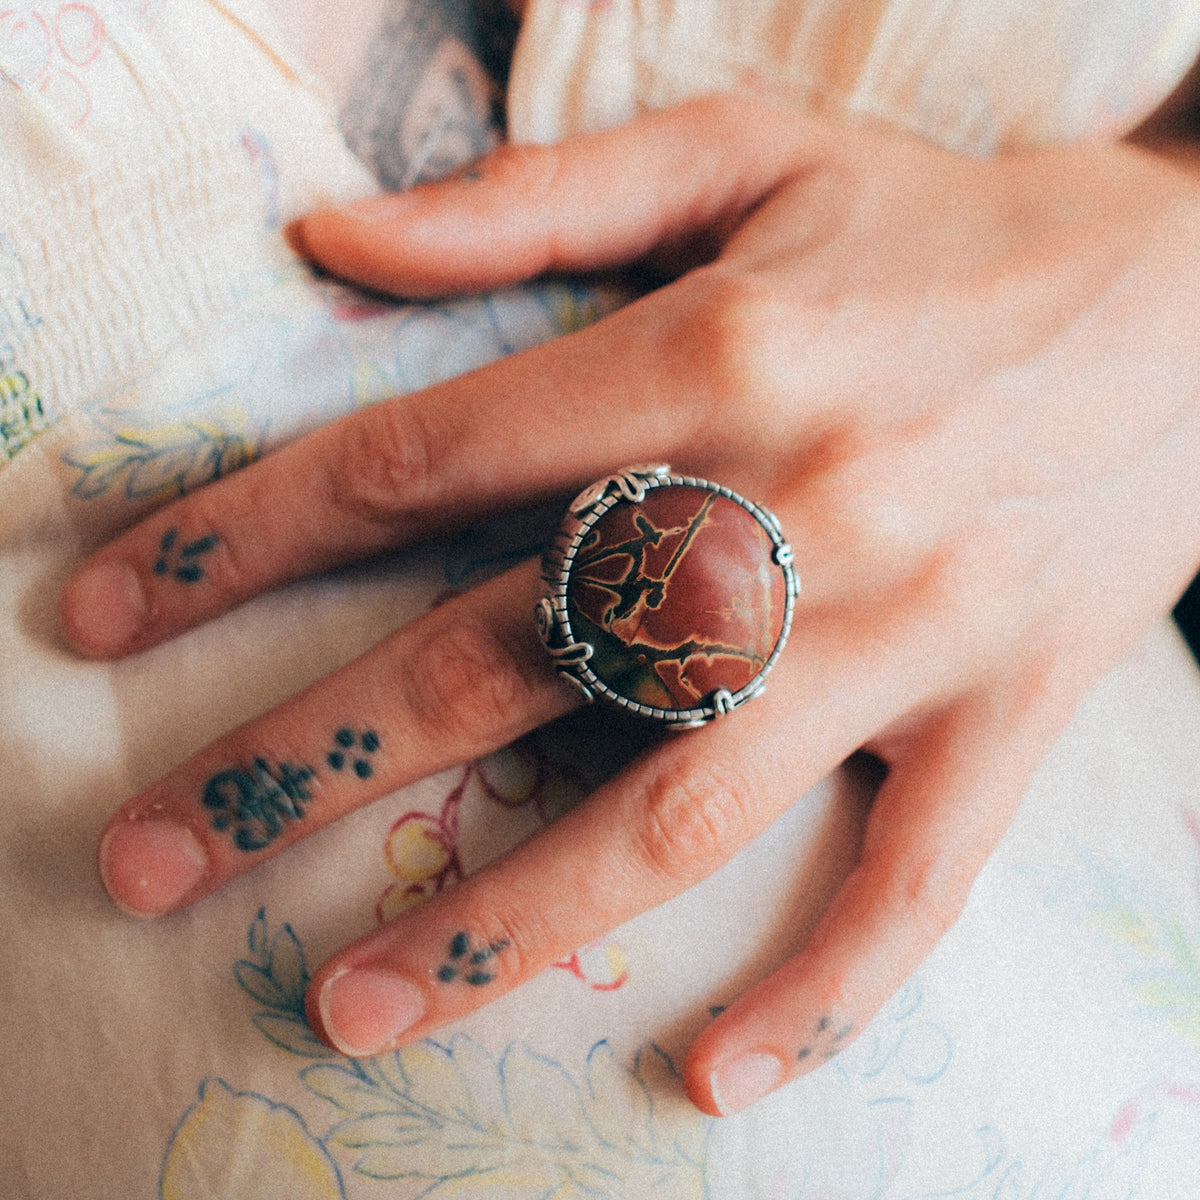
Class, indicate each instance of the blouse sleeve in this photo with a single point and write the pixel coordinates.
(975, 75)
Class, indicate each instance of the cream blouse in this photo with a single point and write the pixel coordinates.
(976, 75)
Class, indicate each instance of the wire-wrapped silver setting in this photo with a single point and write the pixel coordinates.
(576, 652)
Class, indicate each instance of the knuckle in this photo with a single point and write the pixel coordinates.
(387, 462)
(530, 169)
(932, 896)
(693, 822)
(466, 687)
(735, 336)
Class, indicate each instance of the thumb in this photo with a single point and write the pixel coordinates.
(592, 202)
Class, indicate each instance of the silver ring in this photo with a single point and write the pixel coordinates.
(667, 595)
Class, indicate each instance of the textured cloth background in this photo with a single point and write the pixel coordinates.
(155, 333)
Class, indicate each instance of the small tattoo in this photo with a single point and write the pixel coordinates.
(716, 1010)
(183, 562)
(257, 804)
(469, 963)
(352, 751)
(827, 1043)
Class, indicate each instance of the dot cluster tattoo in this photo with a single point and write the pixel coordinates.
(259, 803)
(827, 1039)
(183, 561)
(468, 963)
(345, 754)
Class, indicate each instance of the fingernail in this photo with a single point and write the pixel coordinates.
(384, 207)
(105, 608)
(739, 1083)
(147, 867)
(365, 1010)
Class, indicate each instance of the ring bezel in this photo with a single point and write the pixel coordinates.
(571, 655)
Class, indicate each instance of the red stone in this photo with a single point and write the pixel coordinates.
(679, 596)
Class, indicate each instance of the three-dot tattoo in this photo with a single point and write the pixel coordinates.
(468, 963)
(184, 561)
(353, 751)
(827, 1040)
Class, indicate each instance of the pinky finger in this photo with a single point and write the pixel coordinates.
(950, 794)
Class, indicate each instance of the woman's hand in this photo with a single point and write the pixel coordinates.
(968, 389)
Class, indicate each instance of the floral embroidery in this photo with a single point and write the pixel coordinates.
(156, 461)
(450, 1119)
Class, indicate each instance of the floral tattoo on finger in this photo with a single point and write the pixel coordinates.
(181, 559)
(827, 1040)
(259, 803)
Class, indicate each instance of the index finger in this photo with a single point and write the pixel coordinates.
(533, 425)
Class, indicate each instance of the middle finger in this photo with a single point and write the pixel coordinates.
(462, 680)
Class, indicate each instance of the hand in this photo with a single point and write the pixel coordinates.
(967, 389)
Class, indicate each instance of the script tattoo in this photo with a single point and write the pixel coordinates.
(261, 802)
(258, 803)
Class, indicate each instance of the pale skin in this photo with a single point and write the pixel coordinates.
(970, 390)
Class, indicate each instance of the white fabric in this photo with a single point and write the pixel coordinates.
(154, 331)
(978, 75)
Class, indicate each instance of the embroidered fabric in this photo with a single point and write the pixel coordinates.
(156, 333)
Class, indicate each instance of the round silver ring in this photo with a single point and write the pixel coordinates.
(667, 595)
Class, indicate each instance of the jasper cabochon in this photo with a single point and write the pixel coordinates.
(679, 596)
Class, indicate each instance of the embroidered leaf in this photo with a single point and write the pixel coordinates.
(291, 1032)
(618, 1106)
(673, 1115)
(350, 1092)
(444, 1152)
(258, 983)
(386, 1162)
(257, 936)
(162, 459)
(1138, 915)
(383, 1129)
(543, 1102)
(286, 966)
(453, 1116)
(385, 1072)
(443, 1087)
